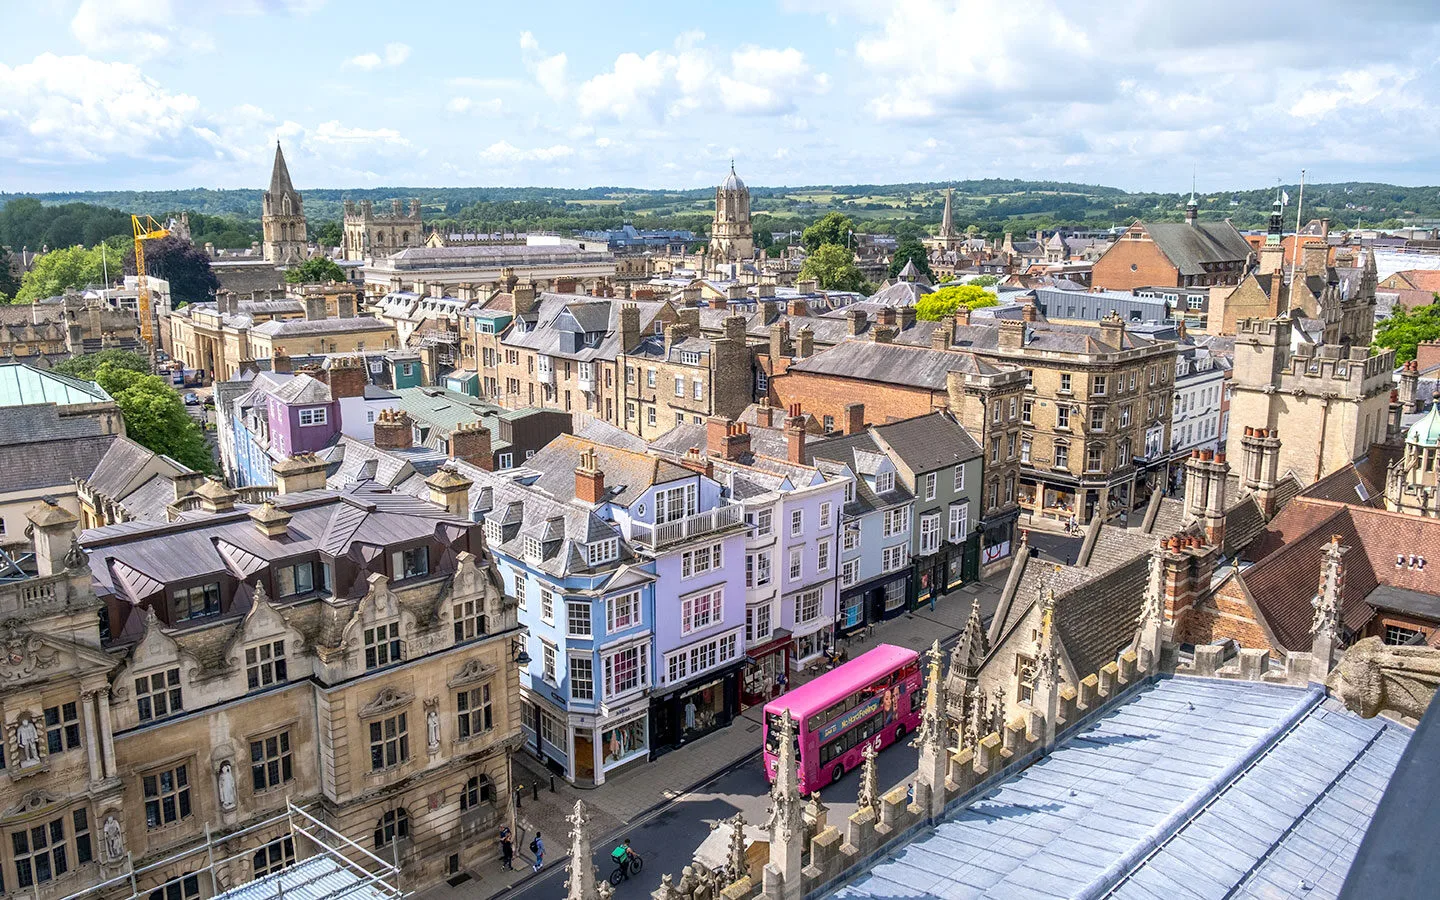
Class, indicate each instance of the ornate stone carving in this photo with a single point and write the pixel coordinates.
(31, 801)
(113, 839)
(474, 670)
(22, 652)
(432, 725)
(26, 747)
(1374, 678)
(387, 699)
(225, 785)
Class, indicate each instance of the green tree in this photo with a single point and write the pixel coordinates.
(329, 234)
(87, 366)
(833, 268)
(315, 270)
(9, 281)
(832, 228)
(945, 301)
(911, 250)
(1403, 329)
(984, 280)
(182, 264)
(154, 416)
(59, 270)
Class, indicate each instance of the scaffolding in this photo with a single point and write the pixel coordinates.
(324, 873)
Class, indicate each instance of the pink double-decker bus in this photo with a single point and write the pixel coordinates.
(872, 699)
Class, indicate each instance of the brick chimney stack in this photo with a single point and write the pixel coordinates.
(347, 377)
(696, 461)
(854, 418)
(804, 343)
(394, 430)
(855, 320)
(765, 414)
(589, 480)
(725, 439)
(470, 443)
(795, 436)
(280, 362)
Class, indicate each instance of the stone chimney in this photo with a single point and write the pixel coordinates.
(855, 320)
(629, 327)
(1314, 257)
(470, 443)
(1028, 312)
(804, 343)
(765, 414)
(809, 286)
(314, 305)
(907, 317)
(962, 315)
(394, 430)
(735, 292)
(450, 490)
(725, 439)
(523, 295)
(887, 316)
(768, 311)
(780, 347)
(1112, 329)
(52, 531)
(795, 436)
(854, 418)
(690, 296)
(301, 472)
(215, 497)
(345, 305)
(940, 337)
(1012, 335)
(589, 479)
(271, 520)
(765, 289)
(186, 482)
(280, 362)
(347, 377)
(1410, 387)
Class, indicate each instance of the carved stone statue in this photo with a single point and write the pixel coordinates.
(114, 839)
(1374, 678)
(225, 782)
(432, 730)
(27, 741)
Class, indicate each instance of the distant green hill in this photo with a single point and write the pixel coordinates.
(993, 206)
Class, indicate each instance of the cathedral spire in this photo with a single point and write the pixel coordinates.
(280, 174)
(947, 219)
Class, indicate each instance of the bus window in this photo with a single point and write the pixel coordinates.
(916, 701)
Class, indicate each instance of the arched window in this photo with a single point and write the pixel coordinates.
(394, 824)
(404, 237)
(285, 204)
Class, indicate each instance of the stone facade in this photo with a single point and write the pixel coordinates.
(731, 236)
(371, 236)
(43, 334)
(282, 217)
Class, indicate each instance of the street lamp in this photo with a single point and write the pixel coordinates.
(517, 652)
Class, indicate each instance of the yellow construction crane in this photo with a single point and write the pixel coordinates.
(146, 229)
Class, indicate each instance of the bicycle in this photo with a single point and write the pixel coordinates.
(632, 866)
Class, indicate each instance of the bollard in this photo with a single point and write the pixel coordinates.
(519, 793)
(535, 791)
(552, 784)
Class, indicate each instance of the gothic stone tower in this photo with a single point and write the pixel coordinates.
(282, 217)
(731, 238)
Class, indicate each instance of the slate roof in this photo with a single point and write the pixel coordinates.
(544, 335)
(439, 412)
(42, 422)
(859, 453)
(628, 474)
(302, 389)
(1190, 247)
(1190, 788)
(926, 443)
(46, 463)
(353, 461)
(893, 364)
(282, 327)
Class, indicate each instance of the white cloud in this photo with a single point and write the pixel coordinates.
(333, 132)
(550, 71)
(668, 83)
(506, 153)
(140, 29)
(461, 105)
(393, 54)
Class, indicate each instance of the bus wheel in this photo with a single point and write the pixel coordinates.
(899, 733)
(837, 773)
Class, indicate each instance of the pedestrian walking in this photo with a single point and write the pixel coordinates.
(537, 847)
(507, 849)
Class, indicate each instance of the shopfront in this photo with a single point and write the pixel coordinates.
(947, 569)
(767, 669)
(692, 711)
(874, 601)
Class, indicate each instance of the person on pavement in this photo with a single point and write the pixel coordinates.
(507, 849)
(537, 847)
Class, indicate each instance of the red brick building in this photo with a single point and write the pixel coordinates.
(1174, 254)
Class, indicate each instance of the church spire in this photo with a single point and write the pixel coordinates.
(280, 174)
(947, 219)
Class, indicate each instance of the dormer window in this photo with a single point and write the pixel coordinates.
(317, 415)
(492, 531)
(412, 563)
(690, 357)
(603, 551)
(197, 602)
(534, 549)
(884, 482)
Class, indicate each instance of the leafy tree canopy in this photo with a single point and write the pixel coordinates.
(25, 222)
(154, 416)
(180, 263)
(86, 366)
(946, 300)
(9, 281)
(833, 268)
(329, 234)
(831, 228)
(984, 280)
(59, 270)
(316, 270)
(911, 250)
(1403, 329)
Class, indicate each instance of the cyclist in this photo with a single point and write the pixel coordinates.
(621, 856)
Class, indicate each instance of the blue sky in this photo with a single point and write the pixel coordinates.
(98, 94)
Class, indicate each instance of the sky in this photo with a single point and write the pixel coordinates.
(156, 94)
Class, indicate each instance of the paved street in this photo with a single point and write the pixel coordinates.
(665, 830)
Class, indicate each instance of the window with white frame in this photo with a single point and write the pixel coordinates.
(959, 522)
(930, 484)
(582, 678)
(603, 551)
(930, 533)
(702, 610)
(884, 482)
(699, 561)
(520, 589)
(650, 416)
(547, 605)
(757, 569)
(960, 478)
(622, 611)
(697, 389)
(650, 378)
(317, 415)
(849, 572)
(690, 357)
(552, 729)
(762, 382)
(757, 623)
(849, 490)
(1062, 416)
(797, 563)
(625, 670)
(577, 618)
(897, 521)
(548, 663)
(807, 607)
(825, 514)
(822, 556)
(895, 557)
(763, 519)
(674, 504)
(700, 658)
(679, 385)
(1025, 447)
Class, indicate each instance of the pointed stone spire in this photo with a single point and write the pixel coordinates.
(259, 595)
(973, 722)
(869, 795)
(1045, 696)
(816, 812)
(997, 710)
(736, 866)
(581, 883)
(786, 823)
(1150, 627)
(934, 757)
(280, 174)
(1325, 626)
(947, 218)
(966, 658)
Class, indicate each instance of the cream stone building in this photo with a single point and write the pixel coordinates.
(282, 217)
(731, 237)
(371, 236)
(169, 687)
